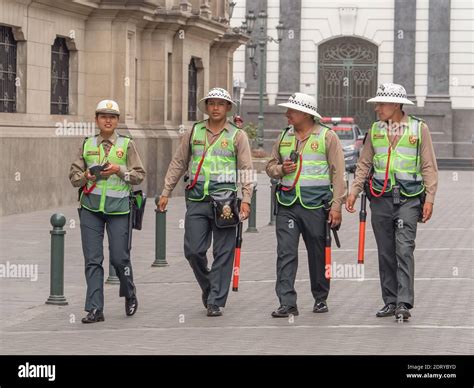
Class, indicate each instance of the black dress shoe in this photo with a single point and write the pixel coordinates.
(213, 311)
(402, 312)
(94, 316)
(131, 305)
(320, 307)
(285, 312)
(386, 311)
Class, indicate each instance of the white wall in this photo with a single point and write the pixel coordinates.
(239, 55)
(321, 20)
(461, 63)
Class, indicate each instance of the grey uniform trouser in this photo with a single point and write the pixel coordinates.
(290, 223)
(92, 233)
(199, 229)
(395, 232)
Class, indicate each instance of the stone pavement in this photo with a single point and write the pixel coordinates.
(171, 318)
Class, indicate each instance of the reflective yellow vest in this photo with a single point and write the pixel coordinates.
(314, 185)
(111, 195)
(219, 169)
(404, 167)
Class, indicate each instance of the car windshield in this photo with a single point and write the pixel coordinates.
(345, 132)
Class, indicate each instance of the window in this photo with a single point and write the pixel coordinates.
(60, 77)
(7, 70)
(192, 90)
(169, 111)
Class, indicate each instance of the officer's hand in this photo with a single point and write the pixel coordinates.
(350, 201)
(244, 211)
(110, 170)
(427, 211)
(288, 167)
(162, 203)
(335, 218)
(89, 176)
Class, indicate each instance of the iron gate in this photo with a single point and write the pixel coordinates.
(60, 77)
(347, 78)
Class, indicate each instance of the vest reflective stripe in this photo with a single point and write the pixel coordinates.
(400, 175)
(218, 171)
(200, 178)
(315, 170)
(111, 195)
(316, 157)
(406, 150)
(216, 177)
(321, 182)
(380, 150)
(314, 186)
(404, 166)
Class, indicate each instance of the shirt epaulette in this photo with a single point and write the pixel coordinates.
(128, 136)
(416, 118)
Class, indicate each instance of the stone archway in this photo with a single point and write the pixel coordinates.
(347, 77)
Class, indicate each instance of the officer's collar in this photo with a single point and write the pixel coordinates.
(227, 123)
(317, 128)
(111, 139)
(404, 119)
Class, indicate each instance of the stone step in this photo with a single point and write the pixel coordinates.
(455, 163)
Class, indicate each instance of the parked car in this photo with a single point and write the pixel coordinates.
(350, 136)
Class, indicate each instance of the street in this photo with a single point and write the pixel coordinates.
(172, 320)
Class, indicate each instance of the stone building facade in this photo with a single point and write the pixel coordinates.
(339, 51)
(58, 58)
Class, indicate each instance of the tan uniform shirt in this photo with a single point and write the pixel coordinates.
(335, 158)
(180, 162)
(428, 165)
(134, 173)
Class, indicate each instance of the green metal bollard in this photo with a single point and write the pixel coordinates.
(57, 260)
(272, 201)
(160, 237)
(253, 213)
(113, 278)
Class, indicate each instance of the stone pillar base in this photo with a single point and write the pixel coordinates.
(283, 97)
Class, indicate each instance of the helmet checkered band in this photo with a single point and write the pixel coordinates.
(219, 93)
(391, 90)
(304, 104)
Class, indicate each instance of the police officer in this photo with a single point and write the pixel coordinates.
(308, 159)
(398, 168)
(215, 149)
(106, 167)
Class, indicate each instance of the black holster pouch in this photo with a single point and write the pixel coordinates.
(368, 194)
(226, 208)
(137, 208)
